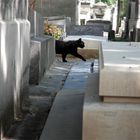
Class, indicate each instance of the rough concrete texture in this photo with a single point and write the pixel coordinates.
(41, 49)
(37, 22)
(14, 68)
(41, 97)
(57, 7)
(96, 30)
(65, 118)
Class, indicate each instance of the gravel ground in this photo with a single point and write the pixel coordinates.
(41, 98)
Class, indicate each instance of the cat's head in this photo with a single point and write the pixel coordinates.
(80, 43)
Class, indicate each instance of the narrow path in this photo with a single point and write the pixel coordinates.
(39, 104)
(61, 90)
(65, 118)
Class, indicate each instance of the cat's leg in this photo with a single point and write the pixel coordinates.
(78, 55)
(64, 57)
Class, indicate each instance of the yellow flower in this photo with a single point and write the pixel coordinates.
(52, 30)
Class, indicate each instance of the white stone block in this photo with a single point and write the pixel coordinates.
(111, 122)
(108, 121)
(120, 69)
(8, 44)
(22, 60)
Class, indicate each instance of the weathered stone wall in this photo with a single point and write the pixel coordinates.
(93, 27)
(57, 8)
(133, 21)
(42, 53)
(37, 22)
(14, 64)
(7, 74)
(107, 25)
(42, 56)
(15, 58)
(96, 30)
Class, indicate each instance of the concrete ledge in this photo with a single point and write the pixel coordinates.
(104, 121)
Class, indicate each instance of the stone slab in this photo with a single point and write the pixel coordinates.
(42, 56)
(108, 121)
(96, 30)
(38, 50)
(22, 60)
(14, 66)
(7, 73)
(110, 99)
(65, 118)
(120, 69)
(37, 22)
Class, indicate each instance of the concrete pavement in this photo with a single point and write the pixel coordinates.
(65, 118)
(58, 99)
(37, 107)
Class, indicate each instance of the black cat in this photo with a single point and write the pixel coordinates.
(69, 47)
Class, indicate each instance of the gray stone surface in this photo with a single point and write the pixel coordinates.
(37, 22)
(57, 8)
(65, 118)
(41, 97)
(14, 59)
(22, 60)
(14, 67)
(42, 57)
(96, 30)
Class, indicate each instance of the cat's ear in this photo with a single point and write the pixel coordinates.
(80, 39)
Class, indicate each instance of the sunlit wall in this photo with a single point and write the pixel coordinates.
(14, 58)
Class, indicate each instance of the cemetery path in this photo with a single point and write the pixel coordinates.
(65, 118)
(61, 77)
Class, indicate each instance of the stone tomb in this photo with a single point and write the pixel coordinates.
(117, 82)
(120, 72)
(42, 56)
